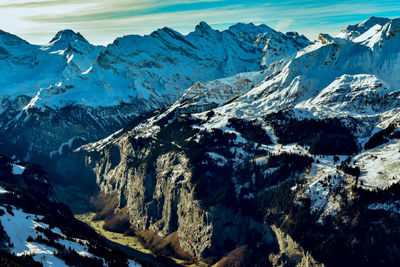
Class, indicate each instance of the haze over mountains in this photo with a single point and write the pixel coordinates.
(225, 145)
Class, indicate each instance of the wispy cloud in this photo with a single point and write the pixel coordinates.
(103, 20)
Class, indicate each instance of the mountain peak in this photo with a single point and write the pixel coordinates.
(11, 39)
(299, 38)
(354, 31)
(203, 26)
(372, 21)
(67, 36)
(250, 28)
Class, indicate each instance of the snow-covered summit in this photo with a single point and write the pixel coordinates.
(158, 67)
(335, 77)
(33, 67)
(354, 31)
(8, 39)
(71, 84)
(67, 36)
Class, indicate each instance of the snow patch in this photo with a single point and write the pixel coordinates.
(380, 167)
(219, 159)
(3, 191)
(21, 225)
(392, 207)
(17, 169)
(68, 144)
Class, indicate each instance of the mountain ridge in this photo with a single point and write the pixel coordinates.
(251, 138)
(106, 87)
(296, 148)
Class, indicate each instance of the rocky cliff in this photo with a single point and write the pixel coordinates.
(311, 149)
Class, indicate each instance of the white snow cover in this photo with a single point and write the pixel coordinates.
(17, 169)
(219, 159)
(132, 263)
(321, 182)
(66, 144)
(21, 225)
(3, 191)
(380, 167)
(32, 67)
(125, 70)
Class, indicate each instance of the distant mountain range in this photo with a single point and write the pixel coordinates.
(243, 147)
(71, 90)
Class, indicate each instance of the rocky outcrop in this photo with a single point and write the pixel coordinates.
(156, 180)
(291, 253)
(160, 196)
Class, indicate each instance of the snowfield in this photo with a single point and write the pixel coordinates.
(3, 191)
(17, 169)
(20, 225)
(380, 167)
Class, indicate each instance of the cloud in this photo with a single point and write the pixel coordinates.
(103, 20)
(283, 24)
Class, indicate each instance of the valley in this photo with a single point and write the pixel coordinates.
(238, 147)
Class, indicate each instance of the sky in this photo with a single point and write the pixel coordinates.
(37, 21)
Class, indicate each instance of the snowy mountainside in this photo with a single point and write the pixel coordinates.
(358, 80)
(354, 31)
(38, 230)
(312, 148)
(90, 91)
(78, 52)
(158, 67)
(32, 67)
(208, 95)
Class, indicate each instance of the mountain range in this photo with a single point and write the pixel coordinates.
(242, 147)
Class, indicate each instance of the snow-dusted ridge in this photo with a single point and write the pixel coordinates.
(161, 64)
(357, 80)
(35, 227)
(20, 226)
(94, 90)
(353, 77)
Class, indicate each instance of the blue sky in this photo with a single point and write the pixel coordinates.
(102, 21)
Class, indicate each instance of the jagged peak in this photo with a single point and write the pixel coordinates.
(372, 32)
(354, 31)
(249, 27)
(167, 30)
(372, 21)
(67, 36)
(392, 28)
(11, 39)
(203, 26)
(299, 38)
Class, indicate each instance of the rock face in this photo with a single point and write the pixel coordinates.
(300, 149)
(159, 193)
(298, 140)
(291, 254)
(71, 90)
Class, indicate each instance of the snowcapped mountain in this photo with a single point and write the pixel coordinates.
(310, 147)
(354, 31)
(71, 90)
(221, 135)
(359, 79)
(78, 52)
(32, 67)
(153, 70)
